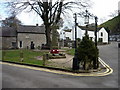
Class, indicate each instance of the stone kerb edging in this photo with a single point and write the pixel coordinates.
(108, 71)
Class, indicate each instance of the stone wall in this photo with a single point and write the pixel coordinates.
(27, 38)
(7, 42)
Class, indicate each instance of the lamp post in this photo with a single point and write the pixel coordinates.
(75, 59)
(96, 20)
(86, 20)
(96, 63)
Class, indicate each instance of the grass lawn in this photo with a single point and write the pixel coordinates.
(28, 55)
(69, 51)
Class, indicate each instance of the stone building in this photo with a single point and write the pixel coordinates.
(31, 34)
(8, 37)
(22, 37)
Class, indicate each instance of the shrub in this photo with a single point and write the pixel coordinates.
(87, 53)
(54, 47)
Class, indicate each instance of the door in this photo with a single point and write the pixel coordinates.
(21, 44)
(101, 40)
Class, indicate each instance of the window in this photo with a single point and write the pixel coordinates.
(13, 44)
(101, 34)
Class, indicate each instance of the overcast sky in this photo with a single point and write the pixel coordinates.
(100, 8)
(103, 8)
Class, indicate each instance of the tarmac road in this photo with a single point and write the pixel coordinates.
(109, 53)
(18, 77)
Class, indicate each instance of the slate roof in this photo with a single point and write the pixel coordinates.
(31, 29)
(89, 28)
(11, 32)
(8, 32)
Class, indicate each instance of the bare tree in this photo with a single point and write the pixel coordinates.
(49, 10)
(114, 14)
(11, 21)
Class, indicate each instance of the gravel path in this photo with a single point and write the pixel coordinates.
(63, 62)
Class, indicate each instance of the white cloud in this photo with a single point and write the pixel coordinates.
(29, 18)
(103, 8)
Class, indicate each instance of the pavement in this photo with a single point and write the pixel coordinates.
(102, 72)
(67, 62)
(62, 62)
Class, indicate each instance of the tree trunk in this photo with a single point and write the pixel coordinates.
(47, 25)
(48, 36)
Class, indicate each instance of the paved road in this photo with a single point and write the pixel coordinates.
(109, 53)
(15, 77)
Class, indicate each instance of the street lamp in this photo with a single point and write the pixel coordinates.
(96, 20)
(86, 19)
(75, 59)
(96, 62)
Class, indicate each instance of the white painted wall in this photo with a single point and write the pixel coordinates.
(105, 35)
(81, 34)
(91, 34)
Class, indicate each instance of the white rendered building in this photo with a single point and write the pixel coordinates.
(102, 34)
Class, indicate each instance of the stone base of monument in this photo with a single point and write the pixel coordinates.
(57, 56)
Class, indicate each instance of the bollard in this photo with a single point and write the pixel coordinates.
(21, 56)
(47, 56)
(44, 59)
(3, 55)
